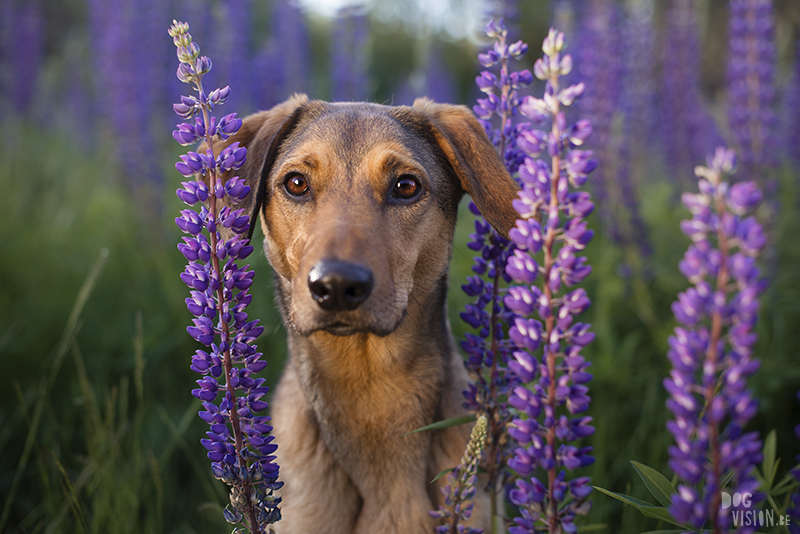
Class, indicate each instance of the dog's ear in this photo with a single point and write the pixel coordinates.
(262, 134)
(474, 160)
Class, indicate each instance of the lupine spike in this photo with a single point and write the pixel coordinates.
(711, 352)
(552, 223)
(752, 63)
(239, 456)
(488, 350)
(461, 485)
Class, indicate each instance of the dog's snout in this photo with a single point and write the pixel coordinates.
(339, 285)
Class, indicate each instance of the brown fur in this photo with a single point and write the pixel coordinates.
(358, 380)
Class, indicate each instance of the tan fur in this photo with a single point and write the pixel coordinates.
(358, 380)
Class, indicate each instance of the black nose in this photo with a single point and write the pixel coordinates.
(339, 285)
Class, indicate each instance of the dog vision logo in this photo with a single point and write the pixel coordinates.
(751, 518)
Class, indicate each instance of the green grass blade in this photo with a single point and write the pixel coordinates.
(447, 423)
(443, 473)
(594, 527)
(768, 466)
(67, 338)
(627, 499)
(661, 513)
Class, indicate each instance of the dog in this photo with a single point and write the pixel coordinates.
(358, 207)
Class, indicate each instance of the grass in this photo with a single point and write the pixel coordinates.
(98, 430)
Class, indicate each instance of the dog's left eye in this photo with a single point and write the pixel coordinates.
(406, 187)
(296, 184)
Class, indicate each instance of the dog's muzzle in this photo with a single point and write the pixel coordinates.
(338, 285)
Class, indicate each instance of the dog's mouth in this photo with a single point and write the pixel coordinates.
(343, 328)
(340, 328)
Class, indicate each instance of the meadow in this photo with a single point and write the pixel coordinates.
(98, 429)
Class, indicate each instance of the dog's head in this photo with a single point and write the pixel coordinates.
(358, 204)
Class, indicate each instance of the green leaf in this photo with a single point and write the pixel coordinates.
(768, 467)
(440, 475)
(664, 531)
(594, 527)
(659, 486)
(727, 479)
(447, 423)
(658, 512)
(627, 499)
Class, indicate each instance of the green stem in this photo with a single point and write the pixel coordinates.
(227, 361)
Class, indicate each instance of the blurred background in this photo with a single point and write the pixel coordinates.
(98, 429)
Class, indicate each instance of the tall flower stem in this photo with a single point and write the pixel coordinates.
(227, 362)
(551, 388)
(549, 242)
(711, 353)
(238, 443)
(488, 350)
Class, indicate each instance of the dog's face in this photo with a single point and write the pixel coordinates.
(358, 205)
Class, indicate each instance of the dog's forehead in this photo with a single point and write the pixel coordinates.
(352, 129)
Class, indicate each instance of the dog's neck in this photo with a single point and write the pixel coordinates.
(344, 369)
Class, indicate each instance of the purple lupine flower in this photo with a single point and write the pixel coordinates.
(233, 40)
(599, 56)
(238, 444)
(791, 113)
(636, 105)
(687, 131)
(460, 486)
(291, 41)
(553, 388)
(439, 85)
(711, 352)
(267, 72)
(488, 349)
(22, 37)
(349, 55)
(505, 10)
(751, 81)
(639, 87)
(127, 82)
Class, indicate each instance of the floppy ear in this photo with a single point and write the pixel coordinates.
(475, 161)
(262, 134)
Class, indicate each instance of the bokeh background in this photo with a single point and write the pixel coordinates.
(98, 431)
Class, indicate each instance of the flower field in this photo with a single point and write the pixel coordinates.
(635, 347)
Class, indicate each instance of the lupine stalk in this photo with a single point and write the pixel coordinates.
(22, 39)
(238, 443)
(460, 486)
(439, 85)
(291, 41)
(233, 43)
(488, 350)
(711, 353)
(636, 105)
(600, 67)
(553, 385)
(349, 55)
(127, 84)
(751, 77)
(791, 113)
(687, 131)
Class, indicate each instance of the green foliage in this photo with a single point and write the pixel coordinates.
(98, 429)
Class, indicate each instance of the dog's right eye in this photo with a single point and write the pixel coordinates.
(296, 184)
